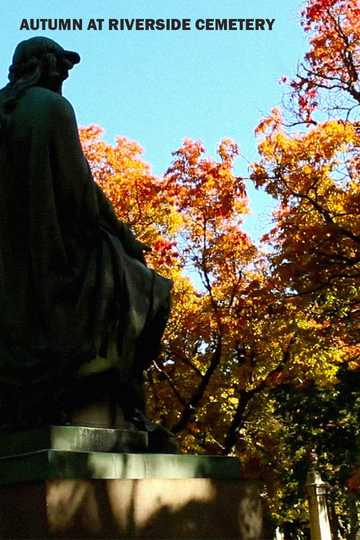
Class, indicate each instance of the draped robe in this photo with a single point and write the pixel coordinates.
(73, 282)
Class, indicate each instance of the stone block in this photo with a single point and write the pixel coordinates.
(75, 494)
(73, 438)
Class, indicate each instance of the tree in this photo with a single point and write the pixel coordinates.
(220, 349)
(325, 420)
(231, 338)
(316, 239)
(309, 161)
(314, 174)
(329, 74)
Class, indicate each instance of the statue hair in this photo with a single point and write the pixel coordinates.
(37, 70)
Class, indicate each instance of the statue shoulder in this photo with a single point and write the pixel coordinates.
(43, 107)
(38, 97)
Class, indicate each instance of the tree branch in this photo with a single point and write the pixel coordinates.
(190, 408)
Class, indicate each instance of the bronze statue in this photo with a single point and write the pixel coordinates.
(81, 315)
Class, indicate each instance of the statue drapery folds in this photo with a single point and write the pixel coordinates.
(76, 294)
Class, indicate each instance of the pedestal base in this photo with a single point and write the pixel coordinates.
(150, 508)
(67, 494)
(76, 438)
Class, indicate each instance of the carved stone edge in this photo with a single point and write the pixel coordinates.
(73, 438)
(51, 464)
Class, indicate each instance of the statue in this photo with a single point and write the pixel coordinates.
(81, 315)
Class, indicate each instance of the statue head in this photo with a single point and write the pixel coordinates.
(37, 61)
(41, 61)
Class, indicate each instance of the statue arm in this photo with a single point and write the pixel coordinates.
(109, 221)
(94, 204)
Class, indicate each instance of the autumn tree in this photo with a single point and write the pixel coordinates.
(314, 174)
(216, 356)
(309, 161)
(316, 238)
(328, 77)
(221, 348)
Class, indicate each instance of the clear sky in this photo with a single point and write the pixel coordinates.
(158, 87)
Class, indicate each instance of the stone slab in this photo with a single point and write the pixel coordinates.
(73, 438)
(51, 464)
(76, 495)
(156, 508)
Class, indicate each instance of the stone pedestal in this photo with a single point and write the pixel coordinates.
(67, 493)
(75, 438)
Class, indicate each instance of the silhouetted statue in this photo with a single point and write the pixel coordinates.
(81, 315)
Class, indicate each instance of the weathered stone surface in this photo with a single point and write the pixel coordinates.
(49, 464)
(73, 438)
(53, 493)
(128, 496)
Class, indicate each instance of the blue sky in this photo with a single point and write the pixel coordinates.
(159, 87)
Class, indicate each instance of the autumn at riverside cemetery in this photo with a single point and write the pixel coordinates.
(261, 356)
